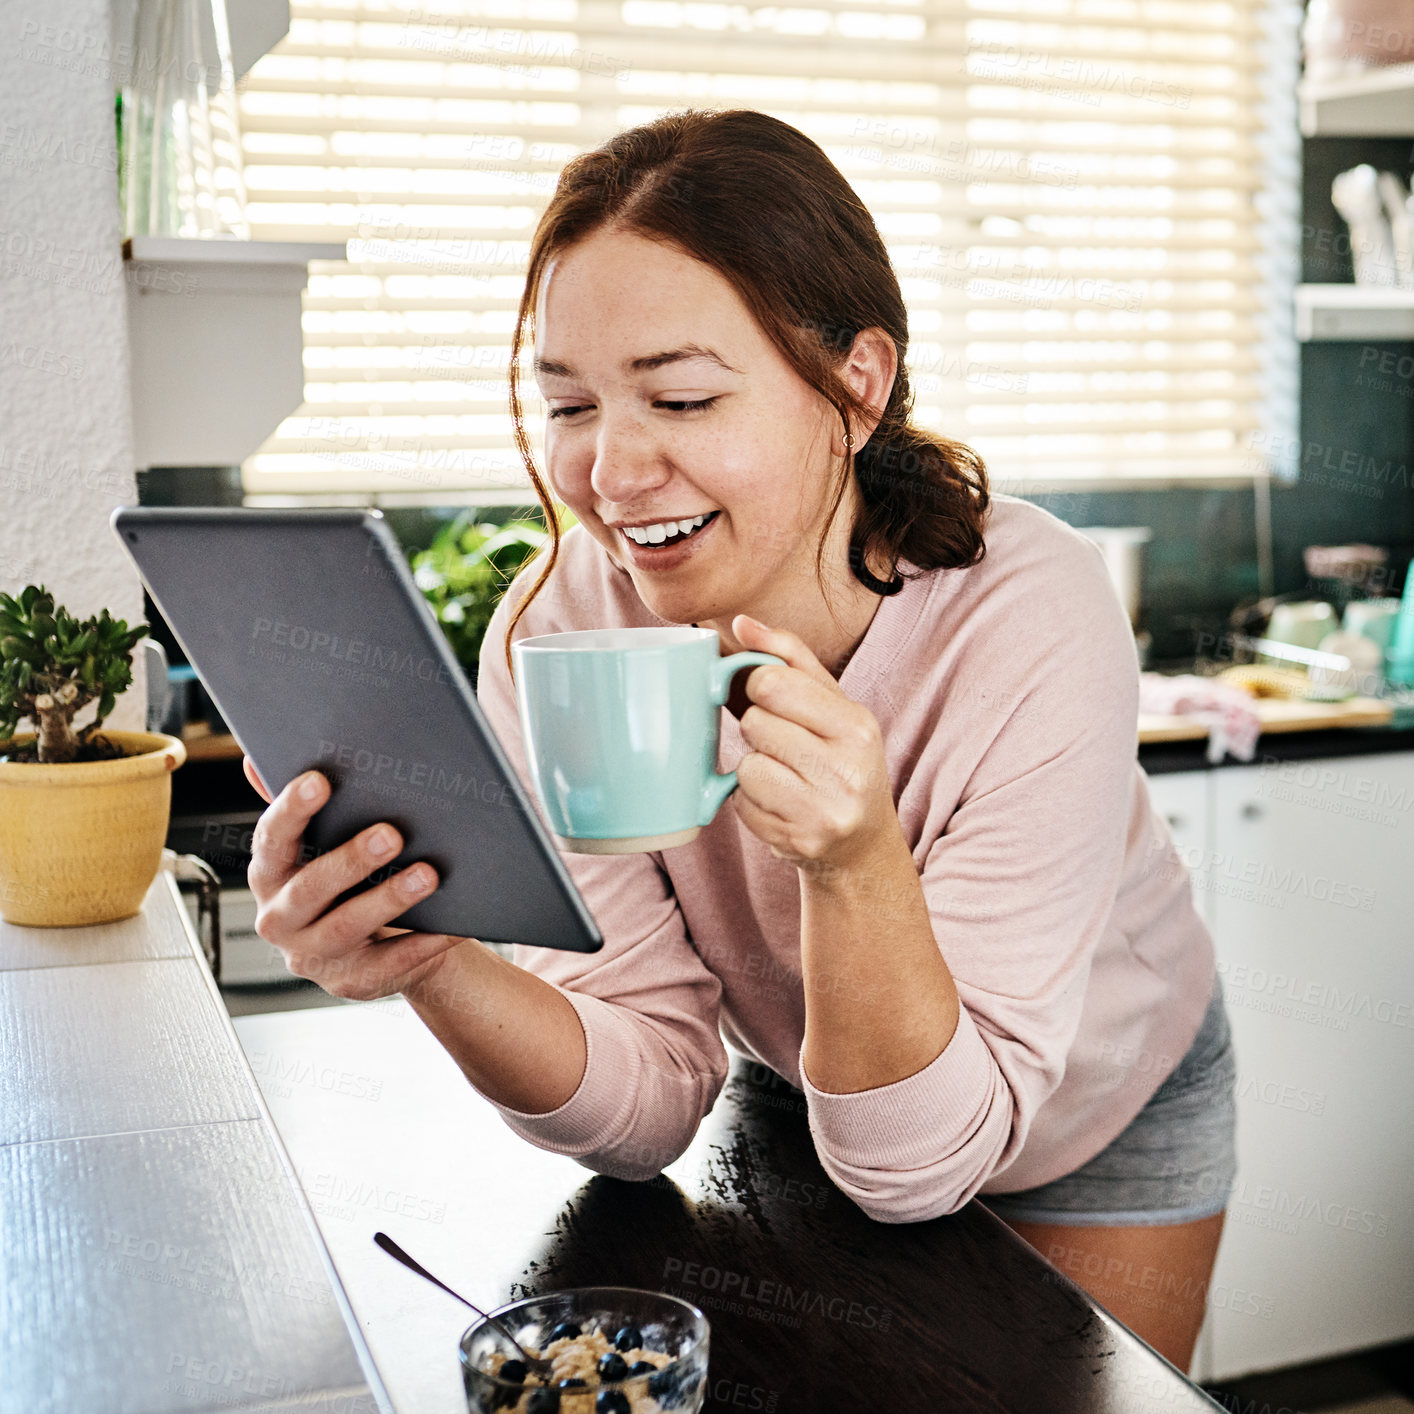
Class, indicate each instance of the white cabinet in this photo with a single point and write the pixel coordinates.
(1305, 874)
(1185, 801)
(216, 344)
(1311, 880)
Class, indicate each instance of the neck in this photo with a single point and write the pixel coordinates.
(833, 639)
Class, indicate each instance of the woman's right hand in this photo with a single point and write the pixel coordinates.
(348, 951)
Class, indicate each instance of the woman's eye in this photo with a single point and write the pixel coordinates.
(676, 404)
(681, 406)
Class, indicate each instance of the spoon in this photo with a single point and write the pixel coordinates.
(538, 1364)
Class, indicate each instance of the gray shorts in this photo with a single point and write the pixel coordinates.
(1174, 1163)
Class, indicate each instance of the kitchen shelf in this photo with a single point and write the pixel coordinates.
(1376, 103)
(216, 341)
(180, 250)
(1353, 312)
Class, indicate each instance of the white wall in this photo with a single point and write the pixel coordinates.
(65, 418)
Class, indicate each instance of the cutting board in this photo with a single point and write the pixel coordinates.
(1278, 715)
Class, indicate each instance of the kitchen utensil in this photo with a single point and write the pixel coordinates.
(1362, 675)
(1395, 196)
(1123, 549)
(1356, 196)
(1302, 624)
(1265, 680)
(1374, 618)
(539, 1365)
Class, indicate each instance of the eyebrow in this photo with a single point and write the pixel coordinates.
(643, 364)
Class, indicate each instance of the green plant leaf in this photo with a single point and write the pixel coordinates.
(22, 649)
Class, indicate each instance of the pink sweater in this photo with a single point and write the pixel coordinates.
(1007, 695)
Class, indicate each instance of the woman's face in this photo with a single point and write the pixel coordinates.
(712, 419)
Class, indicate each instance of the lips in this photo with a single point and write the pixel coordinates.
(670, 553)
(674, 540)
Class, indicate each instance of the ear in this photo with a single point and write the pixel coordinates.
(870, 370)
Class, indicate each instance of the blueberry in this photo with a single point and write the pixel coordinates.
(667, 1386)
(642, 1367)
(565, 1330)
(513, 1370)
(572, 1382)
(612, 1401)
(612, 1367)
(543, 1401)
(628, 1338)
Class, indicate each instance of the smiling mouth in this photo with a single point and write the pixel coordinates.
(677, 538)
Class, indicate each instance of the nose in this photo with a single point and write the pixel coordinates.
(627, 461)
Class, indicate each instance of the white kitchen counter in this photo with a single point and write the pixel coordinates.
(156, 1253)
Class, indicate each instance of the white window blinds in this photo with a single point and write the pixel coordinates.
(1091, 206)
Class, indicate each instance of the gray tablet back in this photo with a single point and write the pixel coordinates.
(319, 650)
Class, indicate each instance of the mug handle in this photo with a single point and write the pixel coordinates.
(718, 788)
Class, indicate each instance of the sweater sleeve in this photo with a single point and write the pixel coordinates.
(1020, 885)
(647, 1003)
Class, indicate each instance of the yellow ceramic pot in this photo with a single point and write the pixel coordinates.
(81, 841)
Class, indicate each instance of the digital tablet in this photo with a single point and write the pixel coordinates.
(319, 650)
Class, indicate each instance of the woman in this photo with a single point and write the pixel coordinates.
(939, 901)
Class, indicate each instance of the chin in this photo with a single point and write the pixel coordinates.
(675, 608)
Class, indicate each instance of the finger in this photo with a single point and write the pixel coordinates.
(756, 816)
(761, 639)
(789, 747)
(306, 894)
(253, 776)
(789, 693)
(278, 835)
(346, 929)
(382, 968)
(774, 787)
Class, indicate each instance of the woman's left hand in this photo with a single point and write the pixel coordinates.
(814, 784)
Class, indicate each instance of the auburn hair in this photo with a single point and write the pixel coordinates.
(762, 204)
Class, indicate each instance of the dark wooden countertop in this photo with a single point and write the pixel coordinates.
(814, 1307)
(1160, 757)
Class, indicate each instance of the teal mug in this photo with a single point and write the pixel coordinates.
(621, 731)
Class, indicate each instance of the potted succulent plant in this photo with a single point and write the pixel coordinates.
(83, 815)
(466, 570)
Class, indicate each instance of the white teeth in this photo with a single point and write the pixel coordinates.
(656, 534)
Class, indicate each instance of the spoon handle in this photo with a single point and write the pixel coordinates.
(393, 1250)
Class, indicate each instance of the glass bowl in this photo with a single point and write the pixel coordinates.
(668, 1326)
